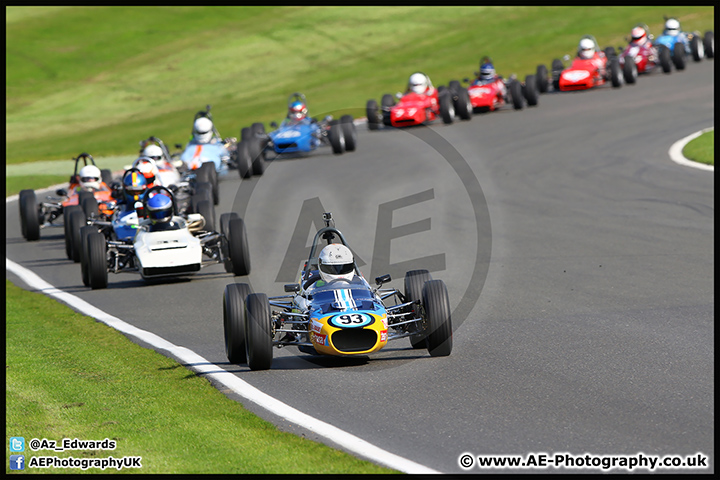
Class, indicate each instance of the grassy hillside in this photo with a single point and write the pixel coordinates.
(99, 79)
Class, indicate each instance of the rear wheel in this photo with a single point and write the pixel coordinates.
(84, 232)
(437, 310)
(29, 215)
(447, 109)
(238, 246)
(258, 331)
(208, 173)
(202, 191)
(234, 321)
(349, 132)
(630, 72)
(665, 58)
(530, 90)
(90, 207)
(557, 67)
(244, 162)
(224, 243)
(97, 261)
(372, 112)
(76, 221)
(414, 281)
(679, 56)
(516, 95)
(709, 44)
(542, 79)
(67, 213)
(697, 49)
(106, 176)
(207, 211)
(337, 138)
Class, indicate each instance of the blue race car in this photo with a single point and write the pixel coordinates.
(297, 134)
(683, 44)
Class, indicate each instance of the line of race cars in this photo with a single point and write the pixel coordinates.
(158, 219)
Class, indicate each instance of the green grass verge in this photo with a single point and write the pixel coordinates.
(14, 184)
(68, 376)
(701, 149)
(99, 79)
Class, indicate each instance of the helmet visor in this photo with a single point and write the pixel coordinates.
(160, 215)
(88, 179)
(337, 269)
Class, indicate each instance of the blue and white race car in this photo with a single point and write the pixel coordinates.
(683, 44)
(297, 134)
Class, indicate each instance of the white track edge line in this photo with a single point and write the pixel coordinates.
(676, 149)
(240, 387)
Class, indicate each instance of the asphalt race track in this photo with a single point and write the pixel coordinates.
(579, 260)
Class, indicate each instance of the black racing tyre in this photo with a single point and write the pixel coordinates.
(616, 77)
(244, 162)
(530, 90)
(437, 311)
(258, 332)
(257, 128)
(67, 213)
(372, 112)
(238, 246)
(463, 105)
(202, 174)
(516, 96)
(697, 49)
(454, 86)
(245, 134)
(349, 132)
(258, 161)
(541, 76)
(234, 321)
(414, 281)
(207, 211)
(258, 140)
(106, 176)
(709, 44)
(84, 232)
(76, 221)
(387, 102)
(679, 56)
(630, 72)
(665, 58)
(447, 109)
(90, 206)
(556, 67)
(97, 261)
(337, 138)
(610, 52)
(29, 215)
(224, 243)
(207, 173)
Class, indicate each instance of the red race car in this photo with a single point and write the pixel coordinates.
(88, 192)
(490, 91)
(646, 56)
(421, 103)
(590, 68)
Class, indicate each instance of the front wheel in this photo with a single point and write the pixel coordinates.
(84, 233)
(372, 112)
(67, 213)
(447, 109)
(238, 246)
(541, 77)
(349, 132)
(29, 215)
(337, 138)
(414, 282)
(665, 58)
(630, 72)
(697, 49)
(439, 325)
(615, 75)
(76, 221)
(516, 95)
(234, 321)
(258, 332)
(530, 90)
(244, 162)
(463, 105)
(97, 261)
(679, 56)
(709, 44)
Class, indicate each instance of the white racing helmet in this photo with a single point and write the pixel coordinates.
(418, 83)
(639, 35)
(672, 27)
(90, 177)
(203, 130)
(586, 48)
(154, 152)
(336, 262)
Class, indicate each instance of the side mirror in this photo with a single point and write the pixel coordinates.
(398, 95)
(382, 279)
(61, 192)
(274, 124)
(292, 287)
(566, 58)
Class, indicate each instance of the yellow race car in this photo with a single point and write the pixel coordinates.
(345, 316)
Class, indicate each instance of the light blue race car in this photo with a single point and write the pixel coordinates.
(208, 146)
(685, 44)
(297, 134)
